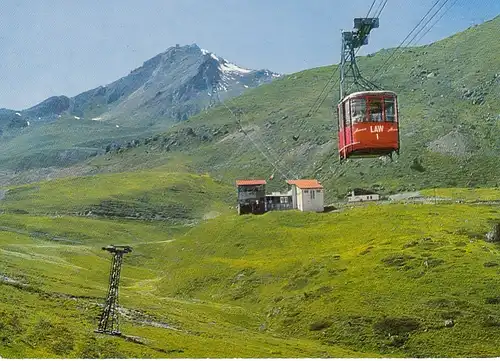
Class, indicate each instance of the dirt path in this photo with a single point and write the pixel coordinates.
(153, 242)
(40, 257)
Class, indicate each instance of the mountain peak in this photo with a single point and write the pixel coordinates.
(179, 83)
(224, 65)
(174, 84)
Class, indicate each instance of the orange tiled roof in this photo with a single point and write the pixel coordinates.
(305, 183)
(250, 182)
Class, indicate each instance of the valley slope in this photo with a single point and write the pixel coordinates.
(391, 280)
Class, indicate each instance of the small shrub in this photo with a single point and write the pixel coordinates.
(396, 260)
(491, 321)
(334, 272)
(429, 244)
(433, 262)
(447, 315)
(297, 284)
(490, 264)
(448, 305)
(64, 344)
(396, 325)
(469, 233)
(101, 348)
(417, 165)
(493, 300)
(397, 340)
(366, 251)
(410, 244)
(319, 325)
(317, 292)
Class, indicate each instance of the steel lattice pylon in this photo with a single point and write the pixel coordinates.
(349, 71)
(109, 322)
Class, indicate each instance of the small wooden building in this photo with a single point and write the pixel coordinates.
(362, 195)
(307, 195)
(251, 196)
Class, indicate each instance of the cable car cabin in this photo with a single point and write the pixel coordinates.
(368, 125)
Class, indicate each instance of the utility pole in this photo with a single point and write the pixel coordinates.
(109, 323)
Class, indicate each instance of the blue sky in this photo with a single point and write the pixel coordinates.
(64, 47)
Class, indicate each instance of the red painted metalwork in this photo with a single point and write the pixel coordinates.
(368, 125)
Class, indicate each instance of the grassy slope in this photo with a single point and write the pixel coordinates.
(56, 314)
(285, 284)
(147, 194)
(468, 195)
(49, 144)
(354, 278)
(431, 107)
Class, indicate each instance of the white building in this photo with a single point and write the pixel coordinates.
(362, 197)
(307, 195)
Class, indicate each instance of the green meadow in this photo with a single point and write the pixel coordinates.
(368, 281)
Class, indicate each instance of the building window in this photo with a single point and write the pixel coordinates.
(306, 191)
(313, 195)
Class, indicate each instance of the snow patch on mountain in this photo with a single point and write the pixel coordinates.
(227, 67)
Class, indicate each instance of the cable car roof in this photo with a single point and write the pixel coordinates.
(369, 92)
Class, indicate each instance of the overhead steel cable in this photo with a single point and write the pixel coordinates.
(311, 112)
(428, 21)
(406, 38)
(238, 121)
(413, 38)
(370, 9)
(272, 153)
(380, 9)
(434, 24)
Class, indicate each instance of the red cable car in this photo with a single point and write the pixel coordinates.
(368, 125)
(368, 119)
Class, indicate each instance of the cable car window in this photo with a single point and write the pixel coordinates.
(346, 114)
(389, 110)
(358, 109)
(340, 109)
(375, 110)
